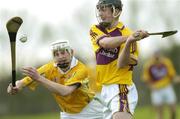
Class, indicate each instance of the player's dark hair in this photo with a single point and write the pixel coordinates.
(116, 3)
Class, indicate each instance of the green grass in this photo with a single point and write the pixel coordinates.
(35, 116)
(140, 113)
(144, 113)
(149, 113)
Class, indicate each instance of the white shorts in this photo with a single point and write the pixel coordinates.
(163, 96)
(118, 98)
(94, 110)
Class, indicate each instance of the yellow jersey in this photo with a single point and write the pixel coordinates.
(158, 74)
(79, 98)
(106, 59)
(93, 85)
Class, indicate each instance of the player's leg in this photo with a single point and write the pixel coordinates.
(172, 108)
(157, 98)
(122, 115)
(127, 109)
(94, 110)
(159, 110)
(122, 103)
(171, 101)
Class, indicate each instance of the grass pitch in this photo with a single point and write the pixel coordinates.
(140, 113)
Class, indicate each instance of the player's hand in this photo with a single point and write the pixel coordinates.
(176, 79)
(12, 90)
(31, 72)
(138, 35)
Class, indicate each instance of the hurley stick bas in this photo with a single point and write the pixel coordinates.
(13, 26)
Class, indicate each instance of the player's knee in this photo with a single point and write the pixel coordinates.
(122, 115)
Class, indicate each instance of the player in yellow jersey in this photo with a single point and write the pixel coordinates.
(159, 74)
(116, 53)
(67, 79)
(94, 86)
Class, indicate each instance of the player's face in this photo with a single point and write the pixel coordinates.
(105, 13)
(157, 56)
(62, 58)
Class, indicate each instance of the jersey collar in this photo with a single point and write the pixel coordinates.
(119, 26)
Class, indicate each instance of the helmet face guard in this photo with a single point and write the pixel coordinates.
(61, 46)
(103, 5)
(116, 3)
(99, 8)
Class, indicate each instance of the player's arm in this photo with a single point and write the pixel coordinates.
(50, 85)
(124, 57)
(103, 40)
(56, 87)
(20, 84)
(26, 81)
(111, 42)
(172, 72)
(146, 78)
(14, 90)
(171, 69)
(176, 79)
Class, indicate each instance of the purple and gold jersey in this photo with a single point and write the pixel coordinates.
(158, 74)
(106, 59)
(79, 98)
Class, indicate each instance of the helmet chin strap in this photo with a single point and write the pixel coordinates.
(105, 24)
(63, 66)
(108, 24)
(114, 12)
